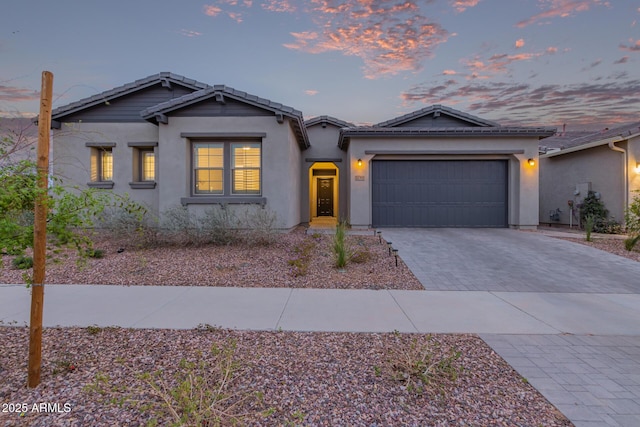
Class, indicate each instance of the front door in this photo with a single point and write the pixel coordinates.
(325, 196)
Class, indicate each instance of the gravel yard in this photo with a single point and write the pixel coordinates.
(294, 260)
(94, 376)
(301, 378)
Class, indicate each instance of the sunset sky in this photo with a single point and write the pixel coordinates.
(518, 62)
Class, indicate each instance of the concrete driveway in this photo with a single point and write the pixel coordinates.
(510, 261)
(589, 368)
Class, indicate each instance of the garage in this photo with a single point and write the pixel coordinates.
(439, 193)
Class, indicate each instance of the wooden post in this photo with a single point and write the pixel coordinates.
(40, 231)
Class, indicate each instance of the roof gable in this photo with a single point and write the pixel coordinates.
(327, 120)
(228, 101)
(437, 116)
(124, 103)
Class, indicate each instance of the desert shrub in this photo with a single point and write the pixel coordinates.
(593, 207)
(180, 227)
(341, 249)
(300, 262)
(260, 226)
(422, 367)
(220, 226)
(123, 224)
(631, 242)
(22, 262)
(588, 226)
(632, 215)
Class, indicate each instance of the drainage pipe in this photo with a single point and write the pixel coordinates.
(626, 170)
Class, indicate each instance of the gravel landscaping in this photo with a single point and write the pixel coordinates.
(96, 376)
(279, 378)
(294, 260)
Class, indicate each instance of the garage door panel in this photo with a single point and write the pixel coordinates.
(439, 193)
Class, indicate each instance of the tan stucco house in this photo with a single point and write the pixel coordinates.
(606, 162)
(167, 140)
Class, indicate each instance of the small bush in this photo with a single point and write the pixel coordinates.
(588, 226)
(422, 367)
(95, 253)
(631, 242)
(22, 262)
(300, 263)
(341, 250)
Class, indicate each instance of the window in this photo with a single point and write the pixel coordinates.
(245, 159)
(226, 168)
(102, 164)
(147, 165)
(208, 162)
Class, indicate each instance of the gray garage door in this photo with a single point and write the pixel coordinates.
(439, 193)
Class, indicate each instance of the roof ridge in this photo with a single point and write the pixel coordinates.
(437, 108)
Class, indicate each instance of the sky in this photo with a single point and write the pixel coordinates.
(517, 62)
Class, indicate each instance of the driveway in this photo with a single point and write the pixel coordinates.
(510, 261)
(592, 374)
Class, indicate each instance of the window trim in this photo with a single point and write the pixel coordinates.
(98, 149)
(139, 148)
(227, 140)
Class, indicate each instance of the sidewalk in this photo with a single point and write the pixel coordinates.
(185, 307)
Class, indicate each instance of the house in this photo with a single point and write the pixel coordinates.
(606, 162)
(167, 140)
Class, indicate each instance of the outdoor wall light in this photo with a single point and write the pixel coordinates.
(531, 162)
(638, 167)
(359, 162)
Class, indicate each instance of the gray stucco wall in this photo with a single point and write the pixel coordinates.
(600, 168)
(71, 157)
(523, 179)
(280, 162)
(324, 146)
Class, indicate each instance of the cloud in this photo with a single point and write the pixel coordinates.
(582, 103)
(311, 92)
(462, 5)
(211, 10)
(560, 9)
(236, 16)
(496, 64)
(449, 72)
(15, 94)
(622, 60)
(519, 43)
(189, 33)
(388, 37)
(551, 50)
(279, 6)
(632, 47)
(594, 64)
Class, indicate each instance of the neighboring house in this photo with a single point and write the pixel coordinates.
(167, 141)
(606, 162)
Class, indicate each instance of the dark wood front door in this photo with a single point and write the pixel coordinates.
(325, 196)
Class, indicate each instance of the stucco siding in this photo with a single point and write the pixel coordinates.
(280, 169)
(71, 156)
(599, 167)
(324, 147)
(522, 179)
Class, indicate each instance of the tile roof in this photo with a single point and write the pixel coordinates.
(437, 108)
(575, 139)
(328, 120)
(125, 90)
(226, 91)
(409, 132)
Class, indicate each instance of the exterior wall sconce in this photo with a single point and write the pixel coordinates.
(638, 167)
(531, 162)
(359, 162)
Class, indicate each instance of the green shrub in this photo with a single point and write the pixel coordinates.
(630, 242)
(588, 226)
(22, 262)
(95, 253)
(593, 207)
(341, 250)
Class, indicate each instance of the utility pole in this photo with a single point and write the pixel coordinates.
(40, 231)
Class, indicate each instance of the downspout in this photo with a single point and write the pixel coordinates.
(626, 170)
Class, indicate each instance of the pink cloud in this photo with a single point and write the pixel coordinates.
(189, 33)
(449, 72)
(311, 92)
(13, 94)
(211, 10)
(278, 6)
(560, 8)
(519, 43)
(236, 16)
(552, 50)
(622, 60)
(462, 5)
(389, 38)
(632, 47)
